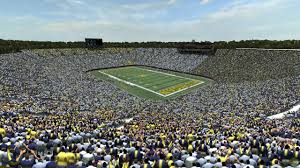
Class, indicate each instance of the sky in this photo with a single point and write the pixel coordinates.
(149, 20)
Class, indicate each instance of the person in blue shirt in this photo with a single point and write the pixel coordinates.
(27, 162)
(286, 154)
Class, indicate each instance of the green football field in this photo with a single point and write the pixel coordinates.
(149, 82)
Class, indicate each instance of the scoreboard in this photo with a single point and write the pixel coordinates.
(93, 43)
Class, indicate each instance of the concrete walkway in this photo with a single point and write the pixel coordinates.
(127, 120)
(282, 115)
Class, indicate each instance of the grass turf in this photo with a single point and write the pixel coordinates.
(155, 84)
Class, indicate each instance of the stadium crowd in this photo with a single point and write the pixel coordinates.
(37, 82)
(220, 124)
(233, 66)
(150, 139)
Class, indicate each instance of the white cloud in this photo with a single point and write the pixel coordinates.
(150, 5)
(171, 2)
(204, 2)
(240, 19)
(245, 9)
(69, 2)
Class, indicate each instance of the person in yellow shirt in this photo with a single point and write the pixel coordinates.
(32, 134)
(2, 132)
(71, 158)
(190, 138)
(61, 159)
(125, 164)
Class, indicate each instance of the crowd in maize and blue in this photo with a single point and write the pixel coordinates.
(54, 114)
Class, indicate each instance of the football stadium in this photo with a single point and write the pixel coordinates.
(149, 84)
(153, 107)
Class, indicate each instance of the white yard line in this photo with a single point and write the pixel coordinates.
(132, 84)
(200, 82)
(282, 115)
(185, 88)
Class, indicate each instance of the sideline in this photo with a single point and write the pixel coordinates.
(165, 73)
(282, 115)
(185, 88)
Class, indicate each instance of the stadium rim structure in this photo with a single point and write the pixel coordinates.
(133, 84)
